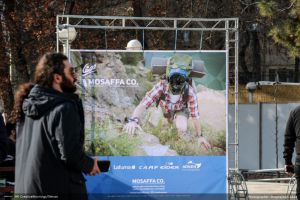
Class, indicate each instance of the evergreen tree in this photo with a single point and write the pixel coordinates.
(284, 21)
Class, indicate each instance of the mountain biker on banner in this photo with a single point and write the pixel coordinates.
(176, 97)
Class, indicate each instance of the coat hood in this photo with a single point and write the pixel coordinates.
(40, 100)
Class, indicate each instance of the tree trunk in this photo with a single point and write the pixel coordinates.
(256, 56)
(296, 74)
(137, 12)
(244, 43)
(6, 93)
(13, 21)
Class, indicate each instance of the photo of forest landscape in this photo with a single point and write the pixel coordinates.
(113, 83)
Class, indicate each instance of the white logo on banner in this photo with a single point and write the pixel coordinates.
(124, 167)
(166, 166)
(148, 167)
(148, 181)
(170, 166)
(88, 69)
(114, 82)
(148, 185)
(192, 166)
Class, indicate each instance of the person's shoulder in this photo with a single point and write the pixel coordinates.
(65, 106)
(192, 91)
(296, 110)
(65, 110)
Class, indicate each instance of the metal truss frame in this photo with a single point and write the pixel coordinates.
(147, 23)
(227, 25)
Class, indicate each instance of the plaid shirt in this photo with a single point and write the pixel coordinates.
(163, 87)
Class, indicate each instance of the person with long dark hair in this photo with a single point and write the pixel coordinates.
(50, 157)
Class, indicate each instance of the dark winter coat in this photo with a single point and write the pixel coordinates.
(50, 157)
(292, 137)
(3, 140)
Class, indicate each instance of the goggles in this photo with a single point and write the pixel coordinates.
(177, 83)
(178, 66)
(177, 79)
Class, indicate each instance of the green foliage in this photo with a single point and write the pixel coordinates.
(219, 140)
(288, 35)
(108, 141)
(267, 8)
(131, 69)
(216, 138)
(124, 145)
(168, 135)
(295, 11)
(149, 76)
(98, 147)
(131, 58)
(285, 28)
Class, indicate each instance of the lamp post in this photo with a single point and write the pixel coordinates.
(251, 87)
(134, 45)
(66, 36)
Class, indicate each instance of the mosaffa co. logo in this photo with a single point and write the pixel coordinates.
(88, 69)
(104, 82)
(113, 82)
(148, 181)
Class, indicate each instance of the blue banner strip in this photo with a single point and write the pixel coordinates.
(160, 178)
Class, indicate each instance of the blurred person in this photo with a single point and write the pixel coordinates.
(176, 97)
(50, 157)
(11, 142)
(6, 159)
(11, 151)
(291, 142)
(3, 140)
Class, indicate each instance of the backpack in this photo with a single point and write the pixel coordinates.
(161, 66)
(164, 67)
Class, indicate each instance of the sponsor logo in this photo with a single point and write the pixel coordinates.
(148, 167)
(192, 166)
(148, 181)
(124, 167)
(169, 165)
(166, 166)
(115, 82)
(103, 82)
(88, 69)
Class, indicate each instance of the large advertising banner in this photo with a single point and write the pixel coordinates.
(145, 111)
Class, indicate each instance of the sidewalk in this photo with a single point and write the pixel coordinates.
(267, 190)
